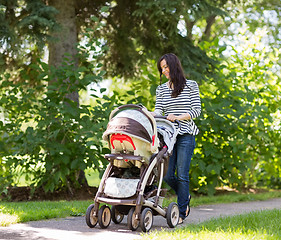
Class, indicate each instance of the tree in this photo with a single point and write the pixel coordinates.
(48, 134)
(124, 21)
(25, 27)
(28, 26)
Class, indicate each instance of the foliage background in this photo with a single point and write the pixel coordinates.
(46, 131)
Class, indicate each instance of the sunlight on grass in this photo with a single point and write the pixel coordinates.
(216, 235)
(255, 225)
(7, 219)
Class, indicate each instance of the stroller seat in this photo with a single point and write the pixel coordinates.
(132, 131)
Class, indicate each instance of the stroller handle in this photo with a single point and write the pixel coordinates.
(139, 106)
(164, 117)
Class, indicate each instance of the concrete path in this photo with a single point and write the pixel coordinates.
(75, 227)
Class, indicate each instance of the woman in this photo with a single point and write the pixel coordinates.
(179, 99)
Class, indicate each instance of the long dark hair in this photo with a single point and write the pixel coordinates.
(176, 72)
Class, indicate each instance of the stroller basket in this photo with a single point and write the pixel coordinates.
(120, 188)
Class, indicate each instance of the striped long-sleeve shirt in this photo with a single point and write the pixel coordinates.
(187, 102)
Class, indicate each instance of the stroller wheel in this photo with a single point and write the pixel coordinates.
(172, 215)
(104, 216)
(116, 216)
(90, 219)
(133, 222)
(146, 220)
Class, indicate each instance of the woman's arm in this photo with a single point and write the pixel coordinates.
(185, 116)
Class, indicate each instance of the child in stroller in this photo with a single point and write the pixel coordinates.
(140, 145)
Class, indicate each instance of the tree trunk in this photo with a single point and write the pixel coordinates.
(189, 26)
(65, 40)
(210, 21)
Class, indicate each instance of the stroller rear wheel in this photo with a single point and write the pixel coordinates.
(91, 220)
(133, 222)
(146, 220)
(104, 216)
(117, 217)
(173, 215)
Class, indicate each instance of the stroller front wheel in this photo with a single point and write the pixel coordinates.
(91, 220)
(133, 222)
(146, 220)
(104, 216)
(173, 215)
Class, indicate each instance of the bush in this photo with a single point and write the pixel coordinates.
(44, 131)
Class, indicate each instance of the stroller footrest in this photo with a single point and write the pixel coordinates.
(113, 201)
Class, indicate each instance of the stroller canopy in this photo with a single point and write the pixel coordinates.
(132, 122)
(168, 131)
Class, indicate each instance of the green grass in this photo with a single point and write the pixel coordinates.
(16, 212)
(257, 225)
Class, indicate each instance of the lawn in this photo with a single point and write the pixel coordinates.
(257, 225)
(16, 212)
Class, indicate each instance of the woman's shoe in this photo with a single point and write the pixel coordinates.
(188, 206)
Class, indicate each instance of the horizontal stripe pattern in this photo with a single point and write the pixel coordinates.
(187, 102)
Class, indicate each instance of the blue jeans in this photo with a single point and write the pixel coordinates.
(177, 176)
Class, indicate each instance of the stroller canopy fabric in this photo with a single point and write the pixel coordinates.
(168, 132)
(131, 122)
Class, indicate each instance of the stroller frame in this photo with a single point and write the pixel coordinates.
(141, 207)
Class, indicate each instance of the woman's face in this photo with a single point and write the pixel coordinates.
(165, 68)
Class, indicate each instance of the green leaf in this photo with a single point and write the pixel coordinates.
(104, 9)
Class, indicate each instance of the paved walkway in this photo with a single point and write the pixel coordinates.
(75, 227)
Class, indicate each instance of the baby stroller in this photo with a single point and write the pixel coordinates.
(132, 182)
